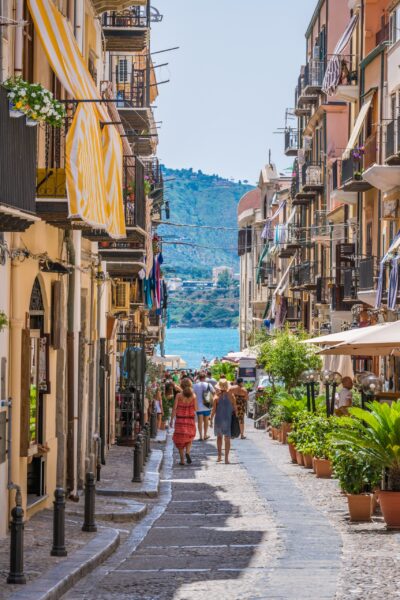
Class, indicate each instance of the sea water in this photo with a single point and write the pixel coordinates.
(193, 344)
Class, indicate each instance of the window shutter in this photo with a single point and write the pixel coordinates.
(25, 391)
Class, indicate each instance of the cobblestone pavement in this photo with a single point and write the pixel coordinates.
(241, 531)
(370, 553)
(38, 539)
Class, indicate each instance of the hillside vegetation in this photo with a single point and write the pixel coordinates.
(199, 199)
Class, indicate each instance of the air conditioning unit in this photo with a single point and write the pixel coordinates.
(120, 297)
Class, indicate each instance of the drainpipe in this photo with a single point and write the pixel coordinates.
(101, 328)
(10, 484)
(148, 59)
(74, 327)
(78, 23)
(19, 37)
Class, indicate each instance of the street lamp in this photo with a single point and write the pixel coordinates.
(334, 379)
(309, 378)
(371, 384)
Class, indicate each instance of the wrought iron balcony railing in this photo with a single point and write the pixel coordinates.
(135, 16)
(291, 142)
(392, 141)
(383, 35)
(367, 273)
(130, 78)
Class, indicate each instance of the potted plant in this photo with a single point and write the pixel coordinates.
(378, 440)
(357, 477)
(3, 320)
(33, 101)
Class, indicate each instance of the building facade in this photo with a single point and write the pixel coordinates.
(80, 259)
(331, 256)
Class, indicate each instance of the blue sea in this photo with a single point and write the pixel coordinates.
(193, 344)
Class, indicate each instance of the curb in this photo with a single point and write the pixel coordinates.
(61, 578)
(121, 516)
(150, 486)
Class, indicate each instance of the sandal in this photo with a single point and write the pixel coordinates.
(188, 459)
(181, 463)
(219, 459)
(207, 437)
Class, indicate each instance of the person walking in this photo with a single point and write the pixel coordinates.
(184, 410)
(202, 389)
(158, 404)
(223, 408)
(241, 397)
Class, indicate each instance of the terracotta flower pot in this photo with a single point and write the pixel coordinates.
(286, 427)
(390, 507)
(308, 461)
(292, 452)
(360, 506)
(299, 458)
(280, 435)
(270, 432)
(323, 468)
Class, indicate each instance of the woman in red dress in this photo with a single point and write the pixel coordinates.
(184, 410)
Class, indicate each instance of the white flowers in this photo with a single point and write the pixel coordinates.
(34, 101)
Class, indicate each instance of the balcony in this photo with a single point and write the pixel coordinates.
(313, 77)
(293, 313)
(291, 142)
(367, 271)
(321, 292)
(348, 88)
(154, 181)
(126, 30)
(313, 177)
(134, 198)
(352, 179)
(320, 228)
(337, 299)
(304, 276)
(349, 285)
(124, 258)
(392, 148)
(130, 77)
(383, 35)
(305, 94)
(17, 170)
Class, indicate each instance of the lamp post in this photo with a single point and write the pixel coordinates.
(327, 380)
(371, 384)
(309, 378)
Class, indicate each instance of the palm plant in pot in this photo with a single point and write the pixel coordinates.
(377, 439)
(357, 477)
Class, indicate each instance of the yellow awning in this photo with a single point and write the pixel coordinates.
(93, 156)
(358, 125)
(108, 5)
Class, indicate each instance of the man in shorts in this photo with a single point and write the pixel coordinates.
(202, 389)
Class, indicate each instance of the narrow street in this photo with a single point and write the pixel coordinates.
(243, 530)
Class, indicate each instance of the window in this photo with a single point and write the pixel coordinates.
(123, 70)
(368, 249)
(394, 24)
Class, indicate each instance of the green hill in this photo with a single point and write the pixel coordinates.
(199, 199)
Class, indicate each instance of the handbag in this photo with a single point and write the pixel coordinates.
(207, 397)
(235, 427)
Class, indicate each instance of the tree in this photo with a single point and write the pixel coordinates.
(227, 370)
(224, 279)
(285, 356)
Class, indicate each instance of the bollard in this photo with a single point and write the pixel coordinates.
(153, 425)
(16, 574)
(140, 440)
(137, 471)
(89, 523)
(145, 445)
(98, 471)
(148, 448)
(58, 548)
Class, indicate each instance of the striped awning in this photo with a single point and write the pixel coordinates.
(334, 68)
(109, 5)
(93, 155)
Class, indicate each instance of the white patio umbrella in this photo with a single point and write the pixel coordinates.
(343, 336)
(372, 341)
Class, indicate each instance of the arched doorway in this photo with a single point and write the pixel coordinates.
(38, 387)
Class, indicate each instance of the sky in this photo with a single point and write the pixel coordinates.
(230, 81)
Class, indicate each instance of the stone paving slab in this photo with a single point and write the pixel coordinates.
(161, 437)
(116, 475)
(59, 579)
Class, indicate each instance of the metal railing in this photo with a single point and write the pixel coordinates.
(349, 284)
(337, 174)
(320, 227)
(321, 292)
(314, 73)
(51, 160)
(350, 170)
(134, 192)
(383, 35)
(291, 140)
(293, 312)
(313, 174)
(17, 159)
(392, 142)
(367, 273)
(129, 76)
(304, 274)
(136, 16)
